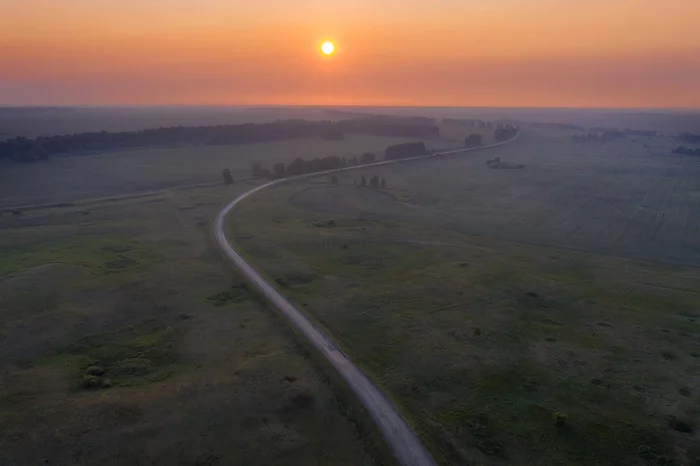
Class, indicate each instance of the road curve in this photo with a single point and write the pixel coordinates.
(404, 443)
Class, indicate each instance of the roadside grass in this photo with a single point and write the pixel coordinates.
(498, 351)
(126, 339)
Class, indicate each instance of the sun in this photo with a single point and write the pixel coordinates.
(328, 48)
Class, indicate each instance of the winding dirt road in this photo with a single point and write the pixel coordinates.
(404, 443)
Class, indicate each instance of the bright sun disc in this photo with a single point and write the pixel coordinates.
(328, 48)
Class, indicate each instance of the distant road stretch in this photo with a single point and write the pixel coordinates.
(403, 442)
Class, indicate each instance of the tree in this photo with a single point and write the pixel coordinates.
(402, 151)
(363, 181)
(505, 132)
(257, 170)
(382, 184)
(334, 179)
(474, 140)
(367, 157)
(279, 170)
(374, 182)
(354, 182)
(226, 173)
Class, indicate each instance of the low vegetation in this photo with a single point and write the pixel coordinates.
(124, 338)
(501, 351)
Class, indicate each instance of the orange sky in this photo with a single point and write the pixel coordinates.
(594, 53)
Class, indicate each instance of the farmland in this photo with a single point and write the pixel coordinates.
(125, 339)
(546, 315)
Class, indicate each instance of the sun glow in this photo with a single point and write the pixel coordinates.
(328, 48)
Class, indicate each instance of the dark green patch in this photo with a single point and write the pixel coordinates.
(130, 356)
(235, 294)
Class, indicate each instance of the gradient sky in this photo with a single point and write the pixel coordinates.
(592, 53)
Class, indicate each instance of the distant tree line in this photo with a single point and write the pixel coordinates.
(23, 149)
(476, 123)
(607, 135)
(686, 151)
(505, 132)
(405, 150)
(301, 166)
(689, 137)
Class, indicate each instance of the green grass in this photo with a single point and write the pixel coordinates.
(498, 351)
(125, 338)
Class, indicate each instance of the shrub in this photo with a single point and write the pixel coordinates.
(226, 173)
(94, 370)
(560, 419)
(279, 170)
(91, 382)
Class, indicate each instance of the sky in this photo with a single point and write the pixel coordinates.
(534, 53)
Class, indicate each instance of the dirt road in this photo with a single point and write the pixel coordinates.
(404, 443)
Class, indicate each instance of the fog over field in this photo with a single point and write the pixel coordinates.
(533, 302)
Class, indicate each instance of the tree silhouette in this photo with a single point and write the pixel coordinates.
(226, 173)
(279, 170)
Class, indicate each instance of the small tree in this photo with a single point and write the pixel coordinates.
(374, 182)
(279, 170)
(226, 173)
(363, 181)
(334, 179)
(382, 184)
(354, 182)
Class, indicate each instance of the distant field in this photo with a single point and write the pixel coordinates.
(501, 308)
(66, 179)
(618, 198)
(125, 339)
(32, 122)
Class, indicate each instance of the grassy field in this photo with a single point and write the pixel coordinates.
(67, 179)
(126, 339)
(528, 316)
(617, 198)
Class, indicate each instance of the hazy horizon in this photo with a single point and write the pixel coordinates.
(504, 53)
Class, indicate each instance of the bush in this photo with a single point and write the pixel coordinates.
(91, 382)
(226, 173)
(560, 419)
(94, 370)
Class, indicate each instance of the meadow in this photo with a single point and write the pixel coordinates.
(73, 178)
(547, 315)
(126, 339)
